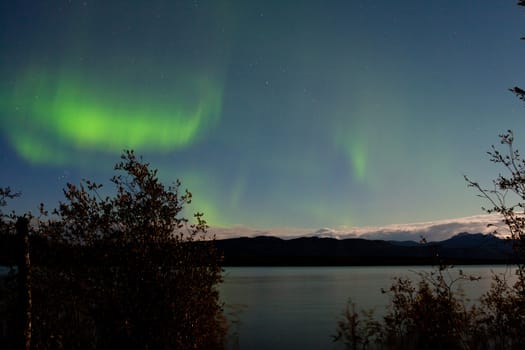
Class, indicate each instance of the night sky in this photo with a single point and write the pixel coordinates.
(296, 114)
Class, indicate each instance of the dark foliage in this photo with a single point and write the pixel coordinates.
(6, 219)
(435, 316)
(507, 197)
(9, 300)
(519, 92)
(433, 313)
(125, 271)
(430, 314)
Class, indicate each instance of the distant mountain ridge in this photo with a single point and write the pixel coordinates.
(463, 248)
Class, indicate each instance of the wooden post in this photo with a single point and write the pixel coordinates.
(24, 280)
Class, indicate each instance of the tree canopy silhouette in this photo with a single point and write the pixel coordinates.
(433, 315)
(126, 270)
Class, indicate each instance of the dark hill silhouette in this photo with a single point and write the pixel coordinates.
(463, 248)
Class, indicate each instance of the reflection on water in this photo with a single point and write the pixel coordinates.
(298, 307)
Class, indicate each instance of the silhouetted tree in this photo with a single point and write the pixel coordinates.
(504, 303)
(433, 315)
(10, 301)
(519, 92)
(507, 195)
(6, 219)
(127, 271)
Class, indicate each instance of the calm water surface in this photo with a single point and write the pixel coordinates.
(298, 307)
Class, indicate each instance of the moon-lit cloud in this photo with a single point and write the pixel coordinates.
(431, 231)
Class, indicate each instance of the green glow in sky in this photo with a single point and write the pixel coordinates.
(272, 113)
(358, 158)
(356, 154)
(74, 113)
(36, 150)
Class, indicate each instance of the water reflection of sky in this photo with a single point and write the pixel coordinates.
(298, 307)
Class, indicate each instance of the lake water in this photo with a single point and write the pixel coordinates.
(298, 307)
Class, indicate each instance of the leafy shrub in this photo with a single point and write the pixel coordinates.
(432, 314)
(125, 271)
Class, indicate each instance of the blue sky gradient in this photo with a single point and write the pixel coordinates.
(274, 114)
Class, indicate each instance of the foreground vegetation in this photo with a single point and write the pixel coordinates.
(121, 271)
(431, 313)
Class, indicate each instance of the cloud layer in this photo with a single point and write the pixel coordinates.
(431, 231)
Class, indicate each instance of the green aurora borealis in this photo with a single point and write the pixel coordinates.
(275, 113)
(56, 117)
